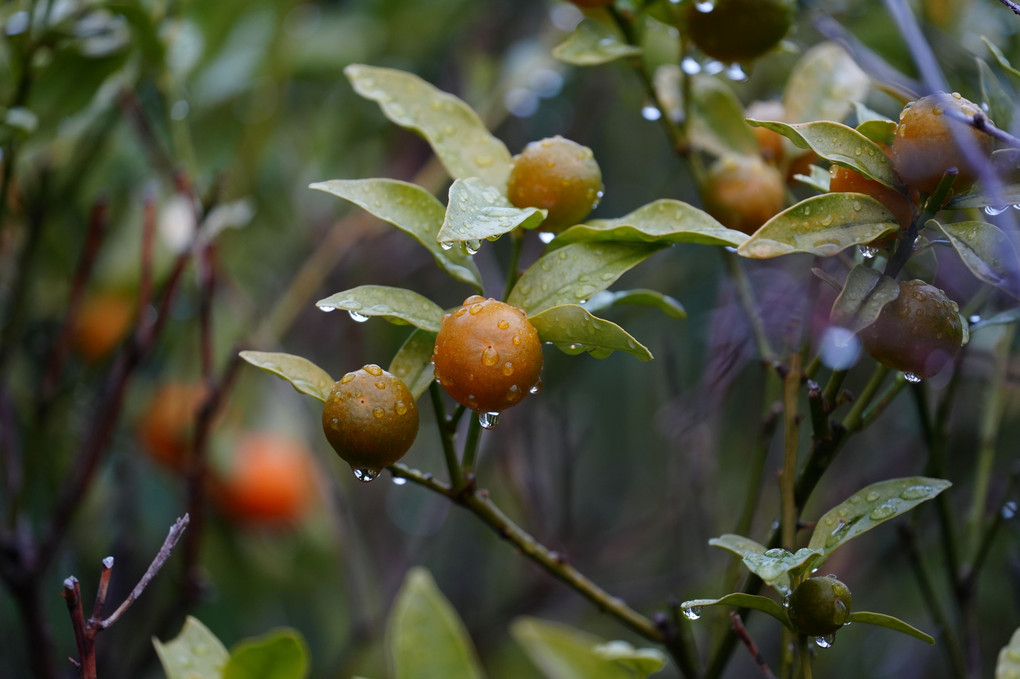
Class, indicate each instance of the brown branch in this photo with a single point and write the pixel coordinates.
(738, 628)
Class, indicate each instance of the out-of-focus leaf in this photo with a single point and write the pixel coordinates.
(662, 221)
(396, 305)
(411, 209)
(413, 362)
(477, 211)
(451, 127)
(821, 225)
(889, 622)
(575, 272)
(874, 125)
(999, 201)
(425, 636)
(1000, 57)
(871, 506)
(572, 324)
(774, 566)
(1002, 318)
(987, 251)
(823, 85)
(864, 294)
(304, 376)
(195, 653)
(639, 296)
(593, 43)
(1008, 665)
(692, 608)
(563, 652)
(818, 179)
(1001, 104)
(281, 654)
(717, 119)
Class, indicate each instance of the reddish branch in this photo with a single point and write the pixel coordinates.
(738, 628)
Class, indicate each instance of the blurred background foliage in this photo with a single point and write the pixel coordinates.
(626, 467)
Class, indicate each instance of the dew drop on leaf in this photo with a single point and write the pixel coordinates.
(399, 481)
(692, 613)
(356, 317)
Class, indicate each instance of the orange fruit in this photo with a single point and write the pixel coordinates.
(268, 479)
(104, 319)
(558, 175)
(845, 180)
(166, 428)
(819, 606)
(742, 193)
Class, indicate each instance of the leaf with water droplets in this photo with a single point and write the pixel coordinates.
(280, 654)
(396, 305)
(1008, 664)
(304, 376)
(455, 132)
(717, 119)
(477, 211)
(1000, 57)
(821, 225)
(774, 566)
(662, 221)
(564, 652)
(195, 653)
(871, 506)
(741, 600)
(571, 324)
(987, 251)
(999, 101)
(593, 43)
(413, 362)
(864, 294)
(889, 622)
(638, 296)
(823, 85)
(411, 209)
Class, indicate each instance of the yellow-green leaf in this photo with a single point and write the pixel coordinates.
(889, 622)
(987, 251)
(304, 376)
(280, 654)
(195, 653)
(824, 84)
(413, 361)
(396, 305)
(477, 211)
(573, 325)
(593, 43)
(1008, 665)
(564, 652)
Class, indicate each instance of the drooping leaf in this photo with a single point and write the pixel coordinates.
(717, 119)
(822, 225)
(195, 653)
(1001, 103)
(740, 600)
(396, 305)
(477, 211)
(978, 197)
(1008, 664)
(451, 127)
(1000, 57)
(593, 43)
(413, 362)
(424, 635)
(304, 376)
(889, 622)
(823, 85)
(987, 252)
(572, 324)
(642, 662)
(774, 566)
(575, 272)
(563, 652)
(871, 506)
(1001, 318)
(864, 294)
(411, 209)
(280, 654)
(639, 296)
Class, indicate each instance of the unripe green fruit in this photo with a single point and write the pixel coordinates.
(743, 194)
(558, 175)
(819, 606)
(739, 30)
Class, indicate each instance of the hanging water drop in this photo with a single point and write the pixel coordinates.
(546, 236)
(472, 246)
(868, 252)
(327, 309)
(692, 613)
(735, 73)
(537, 387)
(651, 112)
(825, 642)
(356, 317)
(366, 475)
(993, 210)
(399, 481)
(912, 378)
(446, 244)
(690, 66)
(488, 420)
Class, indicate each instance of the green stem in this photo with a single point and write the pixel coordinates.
(446, 431)
(791, 431)
(474, 434)
(984, 543)
(804, 650)
(832, 388)
(739, 277)
(852, 421)
(872, 412)
(516, 242)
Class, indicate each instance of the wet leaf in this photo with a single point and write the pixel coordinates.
(281, 654)
(741, 600)
(575, 272)
(563, 652)
(1000, 102)
(871, 506)
(822, 225)
(823, 84)
(413, 362)
(451, 127)
(396, 305)
(593, 43)
(477, 211)
(987, 251)
(1008, 665)
(717, 119)
(195, 653)
(1002, 318)
(571, 324)
(411, 209)
(639, 296)
(640, 661)
(774, 566)
(304, 376)
(1008, 195)
(662, 221)
(864, 294)
(1000, 57)
(889, 622)
(818, 179)
(874, 125)
(424, 635)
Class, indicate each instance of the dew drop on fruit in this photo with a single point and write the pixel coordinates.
(690, 66)
(356, 317)
(692, 613)
(366, 475)
(825, 642)
(911, 377)
(399, 481)
(537, 387)
(488, 420)
(490, 356)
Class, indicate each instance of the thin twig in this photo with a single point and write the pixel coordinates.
(1012, 5)
(741, 632)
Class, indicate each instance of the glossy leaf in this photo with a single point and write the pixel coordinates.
(451, 127)
(411, 209)
(477, 211)
(823, 84)
(661, 221)
(1008, 664)
(281, 654)
(717, 119)
(871, 506)
(571, 324)
(424, 635)
(396, 305)
(563, 652)
(573, 273)
(864, 294)
(774, 566)
(889, 622)
(822, 225)
(640, 296)
(741, 600)
(304, 376)
(593, 43)
(195, 653)
(1001, 103)
(413, 362)
(1008, 195)
(987, 251)
(1001, 318)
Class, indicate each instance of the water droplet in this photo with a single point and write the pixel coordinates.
(508, 369)
(993, 210)
(503, 324)
(472, 246)
(911, 377)
(825, 642)
(488, 420)
(651, 112)
(346, 379)
(373, 370)
(475, 309)
(690, 66)
(380, 385)
(883, 511)
(692, 613)
(1008, 510)
(356, 317)
(705, 6)
(400, 407)
(366, 475)
(868, 252)
(537, 387)
(735, 73)
(714, 67)
(490, 356)
(974, 319)
(916, 493)
(378, 412)
(446, 244)
(872, 496)
(546, 237)
(399, 481)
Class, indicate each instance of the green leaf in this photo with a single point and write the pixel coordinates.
(1000, 102)
(774, 566)
(823, 84)
(740, 600)
(477, 211)
(889, 622)
(864, 294)
(661, 221)
(411, 209)
(717, 119)
(1008, 195)
(572, 274)
(987, 251)
(874, 125)
(413, 362)
(593, 43)
(838, 144)
(639, 296)
(1000, 57)
(818, 179)
(571, 324)
(280, 654)
(563, 652)
(1001, 318)
(304, 376)
(195, 653)
(397, 305)
(425, 636)
(1008, 665)
(871, 506)
(822, 225)
(451, 127)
